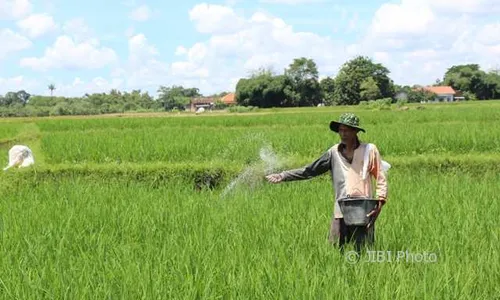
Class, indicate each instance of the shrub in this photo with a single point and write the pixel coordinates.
(242, 109)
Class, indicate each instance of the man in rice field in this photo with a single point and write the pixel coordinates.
(352, 166)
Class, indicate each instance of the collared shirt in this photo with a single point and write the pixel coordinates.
(341, 148)
(347, 177)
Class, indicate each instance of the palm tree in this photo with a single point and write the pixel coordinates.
(52, 87)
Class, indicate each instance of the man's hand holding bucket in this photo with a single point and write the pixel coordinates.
(375, 213)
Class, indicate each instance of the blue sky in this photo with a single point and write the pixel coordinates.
(92, 46)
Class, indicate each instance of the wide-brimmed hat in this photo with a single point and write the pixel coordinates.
(347, 119)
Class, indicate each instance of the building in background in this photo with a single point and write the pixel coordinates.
(209, 103)
(444, 93)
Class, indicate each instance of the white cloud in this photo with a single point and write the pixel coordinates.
(210, 18)
(409, 18)
(197, 53)
(14, 9)
(140, 50)
(76, 87)
(78, 29)
(17, 83)
(188, 70)
(425, 54)
(180, 50)
(79, 87)
(416, 40)
(381, 57)
(68, 54)
(489, 34)
(262, 40)
(12, 42)
(463, 6)
(143, 69)
(37, 25)
(141, 13)
(433, 35)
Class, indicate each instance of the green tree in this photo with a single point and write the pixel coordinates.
(327, 86)
(492, 85)
(418, 94)
(354, 72)
(176, 96)
(470, 79)
(369, 90)
(19, 98)
(303, 76)
(51, 87)
(262, 90)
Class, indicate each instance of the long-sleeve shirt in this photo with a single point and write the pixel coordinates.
(347, 178)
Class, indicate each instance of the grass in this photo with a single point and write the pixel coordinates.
(120, 240)
(81, 224)
(239, 143)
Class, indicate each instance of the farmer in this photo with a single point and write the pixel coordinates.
(350, 163)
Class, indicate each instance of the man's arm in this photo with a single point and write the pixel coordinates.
(381, 186)
(318, 167)
(377, 172)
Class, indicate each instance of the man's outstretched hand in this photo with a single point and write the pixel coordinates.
(274, 178)
(375, 213)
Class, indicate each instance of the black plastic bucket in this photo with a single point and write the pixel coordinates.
(355, 210)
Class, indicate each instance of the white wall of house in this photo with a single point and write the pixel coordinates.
(445, 97)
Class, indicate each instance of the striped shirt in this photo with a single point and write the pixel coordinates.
(348, 178)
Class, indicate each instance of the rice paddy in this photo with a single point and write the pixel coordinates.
(112, 210)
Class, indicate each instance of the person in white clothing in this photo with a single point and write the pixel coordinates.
(20, 156)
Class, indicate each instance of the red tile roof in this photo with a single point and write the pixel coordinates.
(441, 89)
(228, 99)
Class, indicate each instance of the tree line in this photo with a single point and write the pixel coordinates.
(359, 80)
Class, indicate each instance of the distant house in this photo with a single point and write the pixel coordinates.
(205, 102)
(444, 93)
(229, 99)
(209, 102)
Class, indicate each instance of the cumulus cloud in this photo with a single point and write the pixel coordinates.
(79, 87)
(17, 83)
(462, 6)
(408, 18)
(416, 39)
(408, 32)
(14, 9)
(12, 42)
(78, 29)
(66, 53)
(140, 50)
(180, 50)
(237, 45)
(143, 69)
(489, 35)
(37, 25)
(211, 18)
(401, 36)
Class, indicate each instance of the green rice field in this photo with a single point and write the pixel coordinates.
(176, 207)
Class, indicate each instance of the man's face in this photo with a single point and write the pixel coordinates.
(347, 134)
